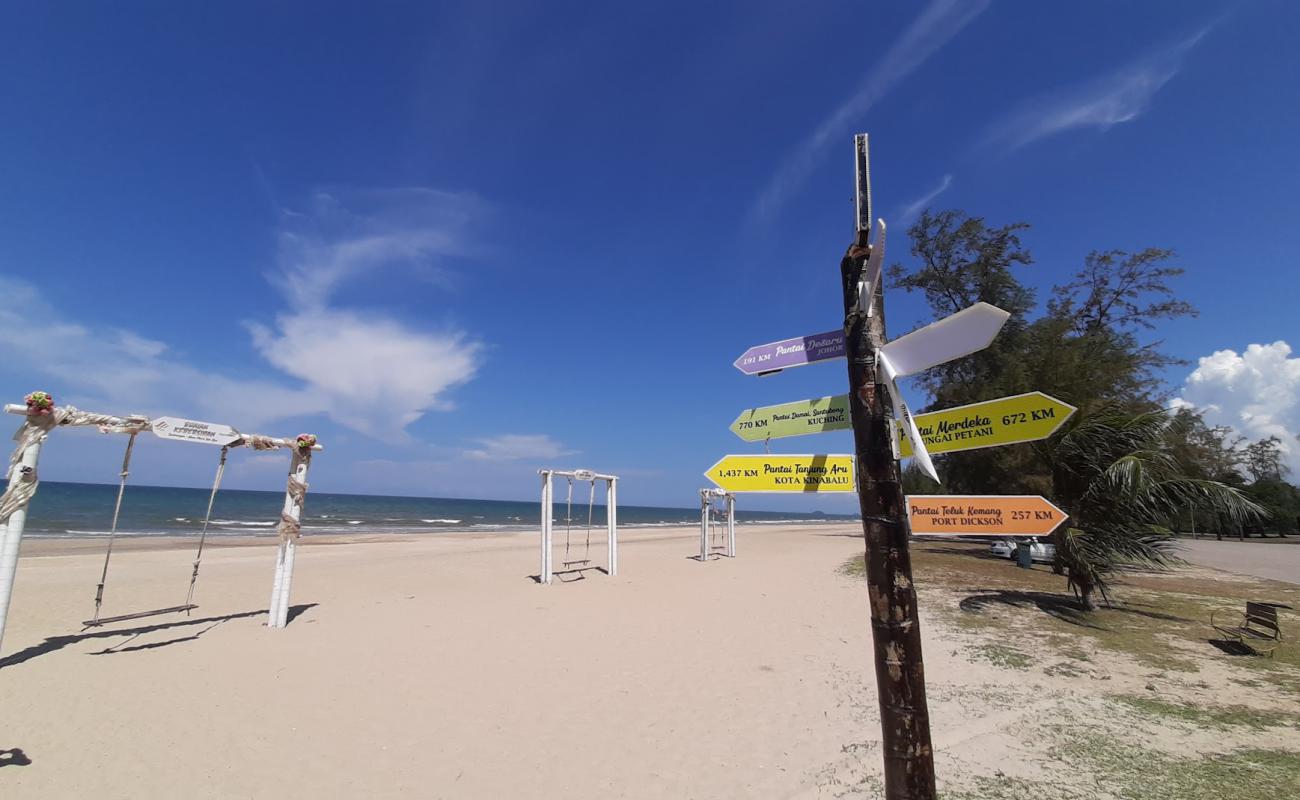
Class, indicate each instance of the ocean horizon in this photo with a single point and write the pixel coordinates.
(66, 510)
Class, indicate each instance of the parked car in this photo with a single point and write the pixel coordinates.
(1042, 552)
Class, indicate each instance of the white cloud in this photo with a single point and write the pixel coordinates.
(368, 371)
(1256, 392)
(375, 374)
(514, 447)
(123, 372)
(938, 23)
(368, 233)
(912, 210)
(1120, 96)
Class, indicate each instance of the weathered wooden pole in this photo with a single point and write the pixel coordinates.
(895, 628)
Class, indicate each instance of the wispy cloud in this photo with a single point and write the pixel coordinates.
(358, 362)
(1120, 96)
(938, 23)
(342, 236)
(367, 370)
(912, 210)
(120, 371)
(515, 447)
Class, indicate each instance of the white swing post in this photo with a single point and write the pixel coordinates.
(547, 573)
(23, 482)
(731, 525)
(611, 523)
(22, 471)
(707, 496)
(291, 520)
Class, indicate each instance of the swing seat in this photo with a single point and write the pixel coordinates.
(95, 623)
(579, 561)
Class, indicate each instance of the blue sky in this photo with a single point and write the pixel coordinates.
(462, 241)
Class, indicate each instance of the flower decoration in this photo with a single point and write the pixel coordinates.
(306, 441)
(39, 404)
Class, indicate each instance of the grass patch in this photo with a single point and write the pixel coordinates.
(1160, 619)
(1220, 718)
(1064, 669)
(999, 655)
(1134, 773)
(855, 567)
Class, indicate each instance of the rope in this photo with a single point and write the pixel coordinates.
(112, 532)
(289, 527)
(24, 480)
(258, 442)
(198, 556)
(22, 485)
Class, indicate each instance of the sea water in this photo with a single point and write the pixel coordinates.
(86, 509)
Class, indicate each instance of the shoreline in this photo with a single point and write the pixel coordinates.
(41, 544)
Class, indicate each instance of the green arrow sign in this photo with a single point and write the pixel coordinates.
(793, 419)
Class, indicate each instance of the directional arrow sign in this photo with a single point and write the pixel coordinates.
(188, 430)
(784, 473)
(1009, 420)
(983, 515)
(788, 353)
(793, 419)
(968, 331)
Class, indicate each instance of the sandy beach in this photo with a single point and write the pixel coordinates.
(436, 666)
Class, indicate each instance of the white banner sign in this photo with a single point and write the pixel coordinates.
(188, 430)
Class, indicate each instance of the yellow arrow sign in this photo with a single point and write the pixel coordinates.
(1008, 420)
(784, 473)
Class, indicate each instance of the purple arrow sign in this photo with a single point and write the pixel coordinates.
(781, 355)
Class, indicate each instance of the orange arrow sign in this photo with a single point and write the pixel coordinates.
(983, 515)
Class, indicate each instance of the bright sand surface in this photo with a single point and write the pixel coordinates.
(437, 667)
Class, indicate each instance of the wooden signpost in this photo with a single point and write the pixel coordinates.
(895, 625)
(884, 430)
(983, 515)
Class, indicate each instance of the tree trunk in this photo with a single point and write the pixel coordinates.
(1058, 558)
(1087, 592)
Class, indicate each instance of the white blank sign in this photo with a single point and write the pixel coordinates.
(968, 331)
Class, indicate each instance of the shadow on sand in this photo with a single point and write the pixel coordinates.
(570, 575)
(1061, 606)
(14, 758)
(53, 643)
(1233, 647)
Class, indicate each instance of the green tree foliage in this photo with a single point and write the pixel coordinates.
(1263, 459)
(1282, 502)
(1205, 451)
(1118, 477)
(1083, 349)
(1127, 469)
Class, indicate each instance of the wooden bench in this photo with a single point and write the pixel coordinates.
(1258, 630)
